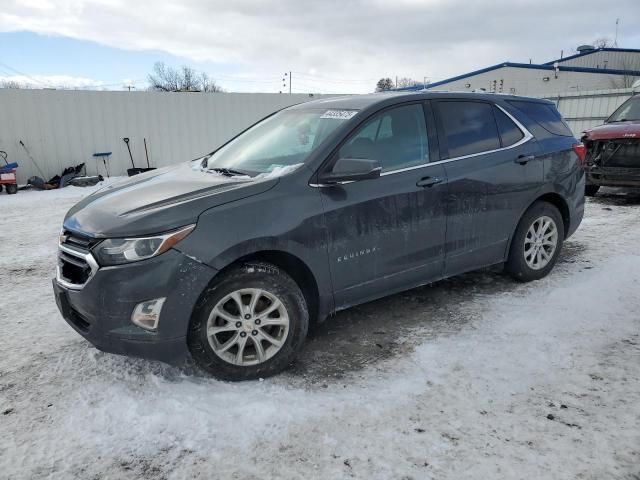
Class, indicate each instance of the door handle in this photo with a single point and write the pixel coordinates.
(524, 159)
(428, 181)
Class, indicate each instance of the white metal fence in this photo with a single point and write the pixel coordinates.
(62, 128)
(584, 110)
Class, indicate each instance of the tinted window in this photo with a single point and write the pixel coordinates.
(546, 115)
(397, 138)
(469, 127)
(509, 131)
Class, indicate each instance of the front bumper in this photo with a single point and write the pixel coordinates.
(614, 176)
(101, 310)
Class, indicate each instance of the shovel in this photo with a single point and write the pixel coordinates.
(135, 170)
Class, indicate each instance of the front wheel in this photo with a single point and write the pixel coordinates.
(250, 323)
(12, 188)
(536, 243)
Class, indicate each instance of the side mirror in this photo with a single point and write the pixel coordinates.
(351, 170)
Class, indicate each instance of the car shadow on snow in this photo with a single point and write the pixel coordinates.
(618, 197)
(365, 335)
(362, 336)
(358, 337)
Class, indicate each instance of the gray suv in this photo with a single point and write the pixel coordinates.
(231, 257)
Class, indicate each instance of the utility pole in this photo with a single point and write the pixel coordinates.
(287, 76)
(396, 81)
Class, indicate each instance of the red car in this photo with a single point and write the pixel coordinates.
(613, 149)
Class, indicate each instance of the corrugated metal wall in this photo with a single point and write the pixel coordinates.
(584, 110)
(622, 60)
(63, 127)
(533, 81)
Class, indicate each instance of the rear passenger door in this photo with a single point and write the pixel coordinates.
(492, 171)
(387, 234)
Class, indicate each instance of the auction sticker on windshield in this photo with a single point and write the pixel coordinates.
(339, 114)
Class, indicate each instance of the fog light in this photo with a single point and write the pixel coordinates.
(147, 314)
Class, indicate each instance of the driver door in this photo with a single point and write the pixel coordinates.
(387, 234)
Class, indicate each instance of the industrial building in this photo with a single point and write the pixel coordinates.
(590, 69)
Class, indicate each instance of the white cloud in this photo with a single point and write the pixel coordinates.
(51, 81)
(351, 43)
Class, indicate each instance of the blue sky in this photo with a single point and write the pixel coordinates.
(51, 55)
(36, 54)
(334, 46)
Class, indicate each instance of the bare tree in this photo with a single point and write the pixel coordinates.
(384, 84)
(208, 85)
(168, 79)
(12, 84)
(626, 80)
(602, 42)
(407, 82)
(623, 81)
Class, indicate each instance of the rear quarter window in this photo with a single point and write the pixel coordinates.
(545, 115)
(510, 134)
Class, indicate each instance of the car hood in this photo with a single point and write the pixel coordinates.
(158, 201)
(609, 131)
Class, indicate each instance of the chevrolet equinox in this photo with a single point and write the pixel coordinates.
(321, 206)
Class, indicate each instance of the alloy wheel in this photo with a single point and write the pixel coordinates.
(248, 326)
(540, 242)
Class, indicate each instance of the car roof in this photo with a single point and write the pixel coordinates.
(362, 102)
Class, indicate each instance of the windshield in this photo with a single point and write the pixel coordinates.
(279, 143)
(629, 110)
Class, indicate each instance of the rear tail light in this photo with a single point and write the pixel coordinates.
(581, 151)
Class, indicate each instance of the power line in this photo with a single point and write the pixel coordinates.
(332, 79)
(23, 74)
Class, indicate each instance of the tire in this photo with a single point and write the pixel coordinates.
(12, 188)
(0, 187)
(591, 190)
(219, 310)
(521, 264)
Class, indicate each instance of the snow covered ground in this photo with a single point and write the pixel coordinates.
(474, 377)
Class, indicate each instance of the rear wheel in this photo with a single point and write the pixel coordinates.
(250, 324)
(591, 190)
(536, 243)
(12, 188)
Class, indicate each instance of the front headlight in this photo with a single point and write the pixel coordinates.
(116, 251)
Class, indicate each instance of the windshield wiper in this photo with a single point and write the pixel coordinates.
(621, 120)
(229, 172)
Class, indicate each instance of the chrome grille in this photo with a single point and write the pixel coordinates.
(76, 265)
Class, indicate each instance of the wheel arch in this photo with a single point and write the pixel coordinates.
(554, 199)
(295, 267)
(560, 203)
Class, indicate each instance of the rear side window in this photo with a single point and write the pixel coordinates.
(547, 116)
(469, 127)
(509, 131)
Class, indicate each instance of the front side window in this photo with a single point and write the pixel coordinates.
(469, 127)
(397, 138)
(285, 139)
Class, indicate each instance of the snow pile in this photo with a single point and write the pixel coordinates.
(280, 170)
(541, 382)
